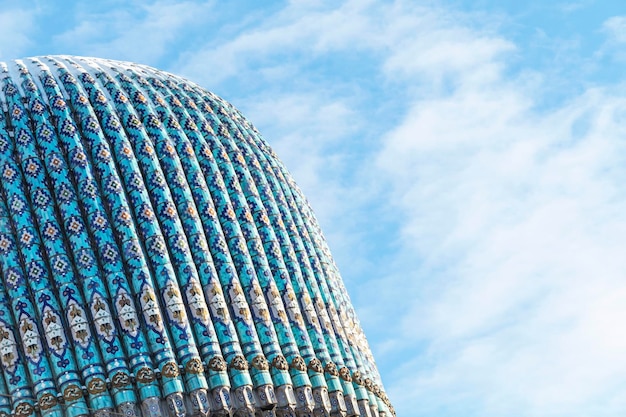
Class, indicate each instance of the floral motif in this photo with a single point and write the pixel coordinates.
(126, 314)
(53, 329)
(8, 348)
(79, 327)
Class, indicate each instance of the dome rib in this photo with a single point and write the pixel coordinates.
(158, 259)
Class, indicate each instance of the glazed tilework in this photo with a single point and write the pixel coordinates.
(157, 258)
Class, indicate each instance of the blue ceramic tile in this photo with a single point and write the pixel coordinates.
(153, 247)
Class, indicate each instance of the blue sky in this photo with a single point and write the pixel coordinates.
(466, 160)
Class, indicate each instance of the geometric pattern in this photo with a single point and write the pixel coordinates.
(157, 258)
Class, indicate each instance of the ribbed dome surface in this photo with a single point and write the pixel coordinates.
(158, 259)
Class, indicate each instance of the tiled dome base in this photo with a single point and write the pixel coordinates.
(158, 259)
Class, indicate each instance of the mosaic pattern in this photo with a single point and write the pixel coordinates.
(157, 258)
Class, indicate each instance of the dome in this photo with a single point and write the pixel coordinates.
(157, 258)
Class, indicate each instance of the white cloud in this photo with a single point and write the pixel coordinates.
(573, 6)
(304, 28)
(16, 26)
(525, 214)
(616, 28)
(497, 283)
(500, 292)
(142, 33)
(304, 128)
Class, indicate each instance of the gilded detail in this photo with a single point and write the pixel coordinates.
(239, 363)
(356, 377)
(217, 363)
(120, 379)
(170, 370)
(96, 386)
(72, 393)
(344, 373)
(316, 365)
(279, 362)
(298, 363)
(331, 369)
(259, 362)
(194, 366)
(24, 409)
(145, 375)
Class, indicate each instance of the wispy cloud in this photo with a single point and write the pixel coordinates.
(311, 124)
(304, 30)
(524, 216)
(497, 290)
(616, 28)
(514, 219)
(479, 231)
(16, 27)
(142, 33)
(612, 50)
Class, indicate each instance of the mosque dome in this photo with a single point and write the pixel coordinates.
(157, 259)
